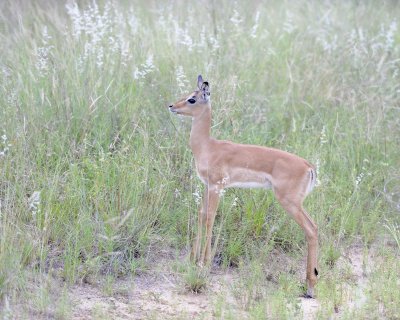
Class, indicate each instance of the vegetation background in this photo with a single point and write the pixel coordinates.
(97, 180)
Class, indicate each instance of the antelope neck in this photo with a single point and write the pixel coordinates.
(200, 133)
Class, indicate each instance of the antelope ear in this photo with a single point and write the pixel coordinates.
(199, 81)
(205, 91)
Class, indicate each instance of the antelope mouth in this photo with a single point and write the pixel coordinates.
(172, 109)
(177, 112)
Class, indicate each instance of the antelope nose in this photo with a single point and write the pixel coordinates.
(171, 106)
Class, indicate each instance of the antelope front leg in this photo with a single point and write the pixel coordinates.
(213, 195)
(195, 254)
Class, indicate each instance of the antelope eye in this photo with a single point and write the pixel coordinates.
(191, 101)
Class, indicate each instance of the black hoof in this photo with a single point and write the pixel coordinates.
(307, 296)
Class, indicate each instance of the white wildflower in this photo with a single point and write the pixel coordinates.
(236, 19)
(144, 68)
(318, 170)
(235, 202)
(362, 173)
(183, 37)
(253, 32)
(137, 74)
(220, 192)
(354, 46)
(43, 52)
(225, 180)
(96, 28)
(133, 21)
(149, 66)
(390, 35)
(322, 138)
(288, 25)
(4, 145)
(359, 178)
(6, 72)
(34, 203)
(327, 41)
(100, 57)
(395, 75)
(202, 42)
(75, 16)
(181, 78)
(12, 97)
(197, 195)
(126, 54)
(214, 43)
(361, 36)
(113, 44)
(177, 193)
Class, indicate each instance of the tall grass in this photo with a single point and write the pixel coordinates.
(94, 172)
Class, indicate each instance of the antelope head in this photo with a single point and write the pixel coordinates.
(193, 104)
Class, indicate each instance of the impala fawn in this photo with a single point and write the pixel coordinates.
(224, 164)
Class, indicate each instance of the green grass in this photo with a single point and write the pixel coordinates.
(94, 172)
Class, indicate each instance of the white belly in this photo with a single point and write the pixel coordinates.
(245, 178)
(250, 184)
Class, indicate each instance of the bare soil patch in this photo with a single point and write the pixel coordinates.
(157, 295)
(160, 294)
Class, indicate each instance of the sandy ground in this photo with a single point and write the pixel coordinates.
(151, 296)
(162, 299)
(161, 295)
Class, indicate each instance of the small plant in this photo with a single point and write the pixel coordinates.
(394, 231)
(196, 279)
(332, 254)
(108, 285)
(233, 252)
(250, 288)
